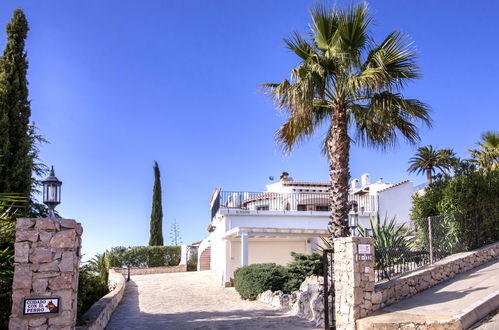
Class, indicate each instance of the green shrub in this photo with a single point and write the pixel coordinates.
(91, 288)
(143, 256)
(192, 263)
(302, 266)
(257, 278)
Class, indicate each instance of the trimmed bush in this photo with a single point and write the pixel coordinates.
(254, 279)
(302, 266)
(143, 256)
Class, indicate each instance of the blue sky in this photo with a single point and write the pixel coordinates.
(115, 85)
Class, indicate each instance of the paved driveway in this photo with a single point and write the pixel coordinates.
(193, 300)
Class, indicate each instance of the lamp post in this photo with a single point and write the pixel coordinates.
(51, 192)
(129, 250)
(353, 221)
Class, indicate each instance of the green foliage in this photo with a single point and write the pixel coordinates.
(156, 230)
(143, 256)
(10, 205)
(471, 197)
(428, 159)
(16, 148)
(388, 237)
(257, 278)
(487, 157)
(302, 266)
(192, 263)
(91, 287)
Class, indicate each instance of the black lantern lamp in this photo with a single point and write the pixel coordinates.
(353, 221)
(51, 192)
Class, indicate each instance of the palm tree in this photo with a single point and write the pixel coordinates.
(428, 159)
(347, 81)
(488, 156)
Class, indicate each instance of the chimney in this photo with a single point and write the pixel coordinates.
(365, 179)
(284, 176)
(355, 184)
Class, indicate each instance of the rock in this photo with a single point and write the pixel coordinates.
(79, 229)
(46, 275)
(68, 223)
(64, 281)
(40, 254)
(22, 277)
(45, 236)
(67, 262)
(37, 322)
(64, 239)
(24, 224)
(21, 252)
(65, 318)
(18, 295)
(18, 324)
(45, 224)
(28, 235)
(40, 285)
(49, 266)
(66, 298)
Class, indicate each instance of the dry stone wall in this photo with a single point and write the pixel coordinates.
(46, 263)
(98, 316)
(428, 276)
(152, 270)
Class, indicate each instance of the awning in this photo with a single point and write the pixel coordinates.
(275, 232)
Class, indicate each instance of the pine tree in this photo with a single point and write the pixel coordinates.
(156, 230)
(16, 144)
(175, 234)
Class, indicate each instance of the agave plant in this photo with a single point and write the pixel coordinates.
(391, 241)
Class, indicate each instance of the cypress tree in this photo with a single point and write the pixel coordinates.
(156, 230)
(16, 144)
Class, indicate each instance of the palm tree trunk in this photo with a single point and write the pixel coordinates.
(338, 152)
(428, 175)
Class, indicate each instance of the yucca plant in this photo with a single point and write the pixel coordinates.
(391, 241)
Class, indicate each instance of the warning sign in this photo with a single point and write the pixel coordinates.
(46, 305)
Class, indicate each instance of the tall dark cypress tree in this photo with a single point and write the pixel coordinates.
(16, 144)
(156, 235)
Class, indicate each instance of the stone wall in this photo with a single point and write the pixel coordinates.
(97, 317)
(306, 303)
(152, 270)
(353, 279)
(428, 276)
(46, 264)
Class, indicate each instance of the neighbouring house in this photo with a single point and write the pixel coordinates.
(290, 216)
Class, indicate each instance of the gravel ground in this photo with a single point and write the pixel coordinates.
(193, 300)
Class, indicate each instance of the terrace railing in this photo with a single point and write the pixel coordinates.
(273, 201)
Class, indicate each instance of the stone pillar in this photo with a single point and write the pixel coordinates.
(46, 264)
(244, 249)
(353, 279)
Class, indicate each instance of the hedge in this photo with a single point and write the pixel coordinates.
(143, 256)
(257, 278)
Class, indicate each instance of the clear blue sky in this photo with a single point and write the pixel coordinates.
(115, 85)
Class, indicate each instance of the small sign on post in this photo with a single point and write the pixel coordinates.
(45, 305)
(365, 249)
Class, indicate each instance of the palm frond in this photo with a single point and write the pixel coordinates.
(386, 115)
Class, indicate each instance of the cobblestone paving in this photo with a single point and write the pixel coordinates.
(193, 300)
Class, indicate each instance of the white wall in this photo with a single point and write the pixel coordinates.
(269, 219)
(396, 202)
(265, 251)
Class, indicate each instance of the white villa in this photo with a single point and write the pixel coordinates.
(291, 216)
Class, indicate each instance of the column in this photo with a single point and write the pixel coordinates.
(244, 249)
(46, 269)
(353, 279)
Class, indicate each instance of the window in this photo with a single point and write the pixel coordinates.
(301, 207)
(322, 208)
(262, 208)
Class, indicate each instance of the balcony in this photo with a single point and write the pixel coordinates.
(272, 201)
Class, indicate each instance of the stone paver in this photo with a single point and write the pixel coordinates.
(193, 300)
